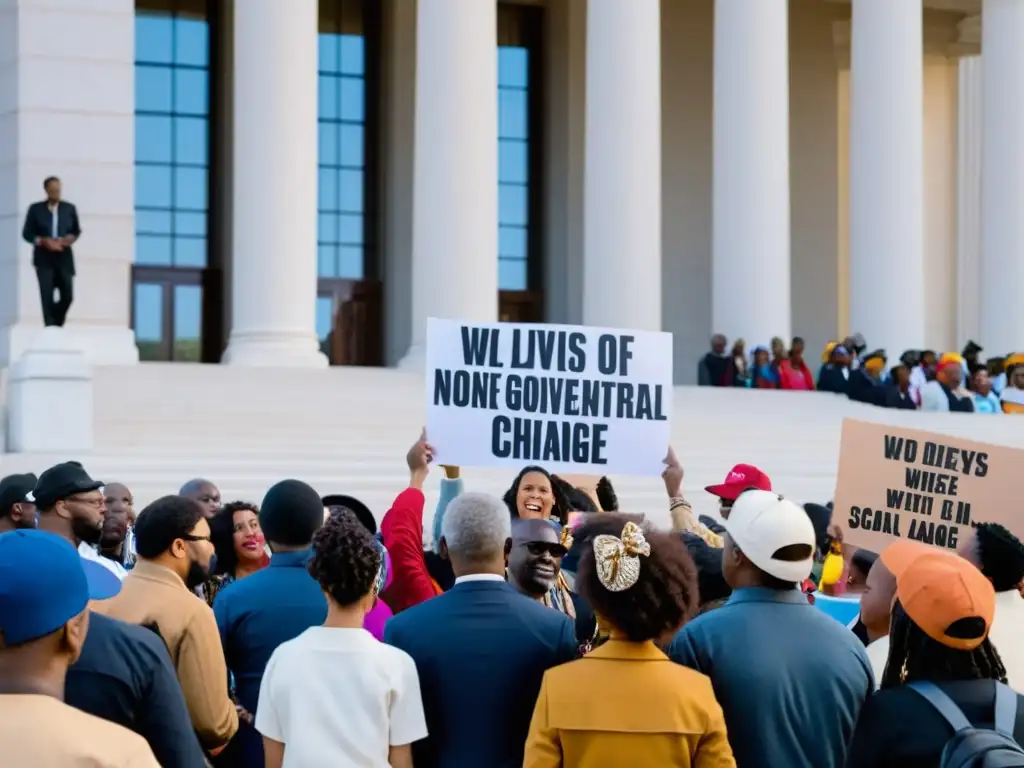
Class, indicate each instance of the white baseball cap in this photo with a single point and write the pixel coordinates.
(761, 523)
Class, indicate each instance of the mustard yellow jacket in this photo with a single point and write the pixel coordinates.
(626, 705)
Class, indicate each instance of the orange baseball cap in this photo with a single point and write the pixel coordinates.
(900, 554)
(937, 590)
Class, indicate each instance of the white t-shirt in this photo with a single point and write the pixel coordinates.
(91, 553)
(1006, 635)
(339, 697)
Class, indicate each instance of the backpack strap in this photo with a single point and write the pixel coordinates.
(945, 705)
(1006, 709)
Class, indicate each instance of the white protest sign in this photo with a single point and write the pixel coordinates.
(570, 398)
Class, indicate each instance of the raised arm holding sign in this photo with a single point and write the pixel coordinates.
(573, 398)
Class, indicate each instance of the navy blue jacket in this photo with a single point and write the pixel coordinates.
(481, 650)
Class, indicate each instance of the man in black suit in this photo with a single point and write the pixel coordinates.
(481, 649)
(52, 227)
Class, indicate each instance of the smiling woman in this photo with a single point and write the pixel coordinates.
(533, 495)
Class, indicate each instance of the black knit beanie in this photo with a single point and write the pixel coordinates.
(291, 513)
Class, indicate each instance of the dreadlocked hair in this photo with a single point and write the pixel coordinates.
(1001, 555)
(914, 656)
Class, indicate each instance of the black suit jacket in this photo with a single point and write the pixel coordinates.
(39, 224)
(481, 651)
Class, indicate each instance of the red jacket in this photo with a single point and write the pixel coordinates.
(791, 377)
(402, 534)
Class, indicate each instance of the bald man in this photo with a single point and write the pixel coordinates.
(204, 493)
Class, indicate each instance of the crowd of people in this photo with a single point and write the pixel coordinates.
(921, 379)
(542, 629)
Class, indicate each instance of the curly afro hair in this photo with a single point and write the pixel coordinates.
(1001, 554)
(345, 560)
(664, 597)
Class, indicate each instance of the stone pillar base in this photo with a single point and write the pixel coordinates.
(50, 400)
(279, 350)
(101, 345)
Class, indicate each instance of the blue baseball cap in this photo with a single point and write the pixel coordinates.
(44, 583)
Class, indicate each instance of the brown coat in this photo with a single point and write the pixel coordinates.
(152, 594)
(626, 705)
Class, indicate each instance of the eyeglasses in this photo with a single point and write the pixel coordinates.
(538, 548)
(190, 537)
(92, 502)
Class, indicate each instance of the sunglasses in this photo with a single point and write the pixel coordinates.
(539, 548)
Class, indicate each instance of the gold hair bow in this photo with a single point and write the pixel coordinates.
(618, 558)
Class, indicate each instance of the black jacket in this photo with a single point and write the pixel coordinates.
(39, 224)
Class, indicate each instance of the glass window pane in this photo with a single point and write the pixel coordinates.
(191, 92)
(512, 200)
(188, 321)
(189, 252)
(512, 274)
(148, 301)
(327, 187)
(350, 262)
(327, 88)
(513, 67)
(191, 138)
(153, 37)
(327, 53)
(151, 250)
(353, 54)
(327, 261)
(190, 224)
(152, 139)
(513, 157)
(351, 139)
(152, 89)
(351, 191)
(152, 186)
(350, 229)
(327, 228)
(324, 316)
(328, 143)
(192, 42)
(512, 113)
(512, 242)
(153, 222)
(352, 99)
(190, 188)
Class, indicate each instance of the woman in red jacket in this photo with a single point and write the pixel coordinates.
(793, 371)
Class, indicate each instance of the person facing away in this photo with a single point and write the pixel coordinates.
(999, 555)
(534, 567)
(51, 227)
(834, 375)
(481, 648)
(791, 679)
(44, 619)
(626, 704)
(276, 604)
(17, 504)
(946, 393)
(939, 636)
(865, 384)
(174, 552)
(123, 672)
(334, 695)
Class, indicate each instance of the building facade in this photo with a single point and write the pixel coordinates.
(303, 183)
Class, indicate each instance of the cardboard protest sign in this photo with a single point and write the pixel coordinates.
(571, 398)
(897, 483)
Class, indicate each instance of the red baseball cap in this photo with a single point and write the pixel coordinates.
(742, 477)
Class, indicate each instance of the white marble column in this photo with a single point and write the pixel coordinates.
(1002, 176)
(67, 102)
(968, 200)
(622, 176)
(887, 285)
(751, 220)
(455, 183)
(274, 270)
